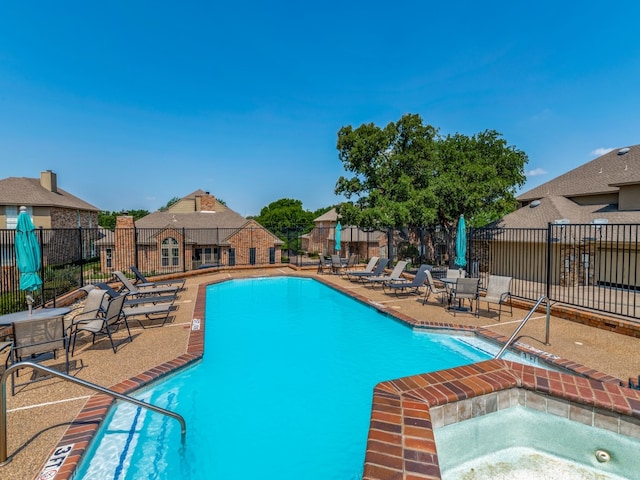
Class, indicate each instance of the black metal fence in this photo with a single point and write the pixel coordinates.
(75, 257)
(594, 266)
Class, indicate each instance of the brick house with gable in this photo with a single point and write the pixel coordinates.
(321, 238)
(198, 231)
(57, 216)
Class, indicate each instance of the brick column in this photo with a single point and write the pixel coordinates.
(125, 243)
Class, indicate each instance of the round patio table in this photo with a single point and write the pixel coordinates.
(41, 313)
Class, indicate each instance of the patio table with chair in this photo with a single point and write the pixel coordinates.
(35, 333)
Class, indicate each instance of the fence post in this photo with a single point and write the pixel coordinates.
(184, 250)
(81, 245)
(548, 279)
(41, 240)
(135, 245)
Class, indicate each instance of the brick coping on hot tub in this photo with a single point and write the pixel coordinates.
(396, 448)
(401, 443)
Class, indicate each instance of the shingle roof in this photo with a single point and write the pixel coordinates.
(29, 191)
(597, 176)
(556, 207)
(330, 216)
(224, 219)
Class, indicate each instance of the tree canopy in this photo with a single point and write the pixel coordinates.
(170, 202)
(107, 219)
(283, 214)
(287, 219)
(407, 174)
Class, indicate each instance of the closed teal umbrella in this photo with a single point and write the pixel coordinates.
(338, 235)
(27, 252)
(461, 244)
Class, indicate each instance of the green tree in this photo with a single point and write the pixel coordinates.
(392, 174)
(171, 202)
(107, 219)
(287, 219)
(406, 174)
(283, 214)
(477, 177)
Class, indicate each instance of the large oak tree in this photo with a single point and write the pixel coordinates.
(408, 175)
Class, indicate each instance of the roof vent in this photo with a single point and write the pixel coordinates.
(622, 151)
(534, 204)
(562, 221)
(599, 221)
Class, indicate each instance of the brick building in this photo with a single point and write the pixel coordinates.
(56, 214)
(198, 231)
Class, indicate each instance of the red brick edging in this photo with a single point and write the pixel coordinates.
(400, 443)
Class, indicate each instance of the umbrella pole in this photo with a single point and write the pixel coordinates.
(30, 304)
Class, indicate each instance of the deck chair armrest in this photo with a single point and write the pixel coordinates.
(504, 296)
(95, 311)
(84, 320)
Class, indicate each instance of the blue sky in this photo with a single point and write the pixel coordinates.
(134, 103)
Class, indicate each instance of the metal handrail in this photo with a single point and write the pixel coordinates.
(531, 312)
(92, 386)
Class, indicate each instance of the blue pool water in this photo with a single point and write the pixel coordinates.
(284, 390)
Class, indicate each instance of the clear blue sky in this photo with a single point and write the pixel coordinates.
(133, 103)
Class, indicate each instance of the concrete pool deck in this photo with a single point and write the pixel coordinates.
(40, 414)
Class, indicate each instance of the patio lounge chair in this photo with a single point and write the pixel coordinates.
(36, 337)
(465, 289)
(498, 292)
(134, 291)
(105, 324)
(362, 275)
(431, 288)
(150, 311)
(394, 276)
(368, 268)
(409, 287)
(111, 292)
(141, 280)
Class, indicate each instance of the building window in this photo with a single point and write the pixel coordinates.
(108, 255)
(170, 253)
(232, 257)
(272, 255)
(11, 214)
(252, 255)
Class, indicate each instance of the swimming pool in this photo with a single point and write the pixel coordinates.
(284, 390)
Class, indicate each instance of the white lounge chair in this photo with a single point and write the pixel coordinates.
(141, 280)
(135, 291)
(362, 275)
(395, 275)
(406, 286)
(151, 311)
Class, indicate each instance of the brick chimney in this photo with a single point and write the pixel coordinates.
(49, 181)
(124, 242)
(205, 203)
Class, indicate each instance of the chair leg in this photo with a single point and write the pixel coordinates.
(113, 346)
(427, 294)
